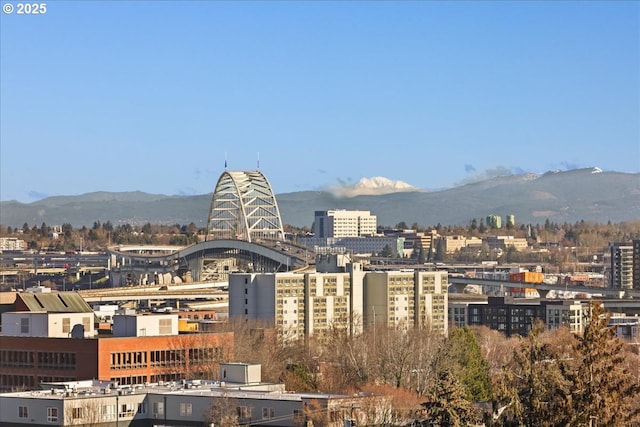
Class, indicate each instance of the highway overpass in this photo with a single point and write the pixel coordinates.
(543, 288)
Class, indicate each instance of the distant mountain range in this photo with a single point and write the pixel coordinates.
(580, 194)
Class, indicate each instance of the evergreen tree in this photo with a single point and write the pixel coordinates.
(447, 405)
(468, 364)
(602, 387)
(540, 394)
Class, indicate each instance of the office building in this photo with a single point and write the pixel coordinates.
(36, 347)
(344, 223)
(504, 242)
(452, 244)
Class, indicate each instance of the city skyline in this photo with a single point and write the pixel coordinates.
(161, 96)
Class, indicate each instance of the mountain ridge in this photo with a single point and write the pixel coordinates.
(565, 196)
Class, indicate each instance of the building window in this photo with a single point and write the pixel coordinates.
(165, 326)
(24, 325)
(108, 412)
(186, 409)
(23, 412)
(243, 412)
(268, 413)
(76, 413)
(52, 415)
(66, 325)
(158, 409)
(86, 324)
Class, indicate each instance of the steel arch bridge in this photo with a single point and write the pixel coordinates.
(243, 207)
(244, 233)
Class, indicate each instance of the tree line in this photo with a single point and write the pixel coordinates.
(582, 234)
(471, 376)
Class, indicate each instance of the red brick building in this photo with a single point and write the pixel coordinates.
(27, 361)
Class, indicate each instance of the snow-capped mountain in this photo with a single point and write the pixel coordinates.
(374, 186)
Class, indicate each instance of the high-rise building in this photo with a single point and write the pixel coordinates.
(298, 304)
(344, 223)
(621, 266)
(304, 304)
(636, 264)
(494, 221)
(407, 299)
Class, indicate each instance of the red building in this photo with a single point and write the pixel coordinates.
(27, 361)
(27, 357)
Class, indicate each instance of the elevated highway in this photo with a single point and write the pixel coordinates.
(543, 288)
(204, 261)
(216, 294)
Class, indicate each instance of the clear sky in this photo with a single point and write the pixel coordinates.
(152, 96)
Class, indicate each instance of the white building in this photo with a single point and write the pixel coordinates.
(565, 313)
(198, 402)
(344, 223)
(141, 325)
(12, 244)
(45, 324)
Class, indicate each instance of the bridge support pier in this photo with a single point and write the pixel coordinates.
(543, 293)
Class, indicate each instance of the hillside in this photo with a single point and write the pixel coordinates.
(559, 196)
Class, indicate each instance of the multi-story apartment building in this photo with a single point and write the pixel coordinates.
(298, 304)
(344, 223)
(621, 266)
(636, 264)
(516, 316)
(567, 313)
(494, 221)
(505, 315)
(407, 298)
(304, 304)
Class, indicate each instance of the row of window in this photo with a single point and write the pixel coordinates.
(45, 359)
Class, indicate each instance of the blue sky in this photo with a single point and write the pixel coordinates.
(152, 96)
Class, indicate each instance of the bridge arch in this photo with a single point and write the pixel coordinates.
(243, 207)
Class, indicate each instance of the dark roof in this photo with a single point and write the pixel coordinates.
(54, 302)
